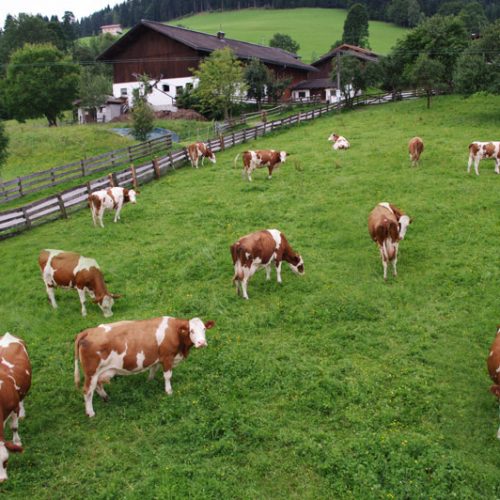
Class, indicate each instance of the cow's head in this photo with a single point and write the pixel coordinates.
(283, 155)
(210, 155)
(131, 196)
(404, 221)
(106, 303)
(333, 137)
(4, 457)
(296, 264)
(197, 331)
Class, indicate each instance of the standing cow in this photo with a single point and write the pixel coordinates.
(415, 148)
(72, 270)
(260, 249)
(484, 151)
(112, 199)
(261, 158)
(199, 150)
(387, 225)
(494, 368)
(339, 142)
(15, 381)
(128, 347)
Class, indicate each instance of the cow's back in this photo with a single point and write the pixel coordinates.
(259, 245)
(381, 223)
(16, 362)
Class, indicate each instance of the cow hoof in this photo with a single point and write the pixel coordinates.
(91, 415)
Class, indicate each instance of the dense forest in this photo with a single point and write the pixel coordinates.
(402, 12)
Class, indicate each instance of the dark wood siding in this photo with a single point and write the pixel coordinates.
(155, 55)
(295, 74)
(325, 70)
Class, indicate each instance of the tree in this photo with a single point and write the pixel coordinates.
(93, 90)
(427, 73)
(276, 87)
(472, 15)
(40, 81)
(356, 26)
(257, 78)
(142, 114)
(4, 143)
(285, 42)
(392, 78)
(221, 82)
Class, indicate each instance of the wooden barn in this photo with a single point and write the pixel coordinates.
(169, 53)
(319, 84)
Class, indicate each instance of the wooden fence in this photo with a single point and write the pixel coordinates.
(22, 186)
(58, 206)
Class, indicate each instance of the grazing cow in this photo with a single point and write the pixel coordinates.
(71, 270)
(110, 198)
(15, 381)
(261, 158)
(339, 142)
(387, 225)
(260, 249)
(128, 347)
(493, 362)
(415, 148)
(199, 150)
(481, 151)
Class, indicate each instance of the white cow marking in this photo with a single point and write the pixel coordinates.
(7, 364)
(85, 263)
(276, 236)
(386, 205)
(140, 360)
(162, 328)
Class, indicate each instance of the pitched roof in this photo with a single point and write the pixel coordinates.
(317, 83)
(204, 42)
(349, 50)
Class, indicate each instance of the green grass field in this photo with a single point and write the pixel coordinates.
(316, 30)
(333, 385)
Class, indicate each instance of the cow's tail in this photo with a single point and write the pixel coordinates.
(235, 160)
(78, 338)
(236, 252)
(387, 237)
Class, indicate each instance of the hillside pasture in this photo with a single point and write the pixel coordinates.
(333, 385)
(316, 30)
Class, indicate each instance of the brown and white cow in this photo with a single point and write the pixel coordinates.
(339, 142)
(484, 151)
(128, 347)
(15, 381)
(261, 158)
(415, 148)
(493, 362)
(112, 199)
(199, 150)
(387, 225)
(260, 249)
(72, 270)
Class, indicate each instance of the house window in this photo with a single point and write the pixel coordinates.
(179, 89)
(165, 87)
(302, 94)
(123, 92)
(189, 86)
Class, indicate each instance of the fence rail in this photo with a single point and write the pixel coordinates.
(33, 183)
(58, 206)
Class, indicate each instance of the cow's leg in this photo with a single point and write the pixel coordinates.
(51, 294)
(278, 271)
(469, 165)
(118, 210)
(152, 371)
(497, 166)
(100, 216)
(22, 411)
(203, 160)
(14, 422)
(102, 393)
(237, 283)
(395, 264)
(476, 165)
(268, 272)
(270, 168)
(244, 285)
(93, 212)
(88, 391)
(384, 261)
(81, 294)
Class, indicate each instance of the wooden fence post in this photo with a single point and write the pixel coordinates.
(53, 177)
(26, 218)
(134, 176)
(130, 154)
(171, 160)
(112, 156)
(62, 207)
(20, 186)
(82, 165)
(232, 138)
(89, 188)
(111, 179)
(221, 142)
(156, 168)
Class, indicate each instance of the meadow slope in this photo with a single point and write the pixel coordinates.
(333, 385)
(316, 30)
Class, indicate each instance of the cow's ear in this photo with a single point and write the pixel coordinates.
(209, 324)
(13, 447)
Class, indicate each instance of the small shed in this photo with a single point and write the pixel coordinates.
(113, 29)
(112, 108)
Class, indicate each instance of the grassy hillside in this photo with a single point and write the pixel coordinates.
(316, 30)
(333, 385)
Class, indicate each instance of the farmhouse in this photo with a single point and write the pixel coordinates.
(168, 54)
(319, 84)
(113, 29)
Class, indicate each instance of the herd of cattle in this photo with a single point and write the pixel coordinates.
(127, 347)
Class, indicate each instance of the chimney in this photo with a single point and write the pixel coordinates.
(220, 35)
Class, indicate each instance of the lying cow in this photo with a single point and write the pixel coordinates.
(71, 270)
(494, 368)
(260, 249)
(261, 158)
(199, 150)
(339, 142)
(482, 151)
(415, 148)
(112, 199)
(130, 347)
(387, 225)
(15, 381)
